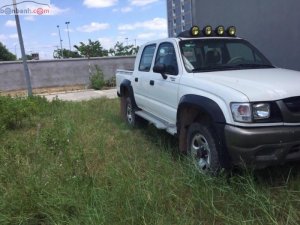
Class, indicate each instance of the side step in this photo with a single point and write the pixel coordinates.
(157, 122)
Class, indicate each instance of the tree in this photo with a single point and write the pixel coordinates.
(6, 55)
(28, 57)
(121, 50)
(92, 49)
(57, 54)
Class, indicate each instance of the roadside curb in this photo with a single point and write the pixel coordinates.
(82, 95)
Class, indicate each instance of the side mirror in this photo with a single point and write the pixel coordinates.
(160, 68)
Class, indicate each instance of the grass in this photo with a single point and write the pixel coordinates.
(79, 163)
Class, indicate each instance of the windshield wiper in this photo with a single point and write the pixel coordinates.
(214, 68)
(232, 67)
(253, 65)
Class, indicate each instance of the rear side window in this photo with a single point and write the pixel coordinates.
(147, 57)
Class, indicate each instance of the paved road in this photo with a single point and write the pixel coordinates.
(82, 95)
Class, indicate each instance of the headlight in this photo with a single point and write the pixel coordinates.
(261, 111)
(247, 112)
(241, 112)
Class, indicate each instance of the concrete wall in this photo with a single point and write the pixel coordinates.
(273, 26)
(58, 73)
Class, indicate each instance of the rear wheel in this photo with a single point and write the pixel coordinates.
(129, 113)
(203, 148)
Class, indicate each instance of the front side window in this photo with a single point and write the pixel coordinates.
(166, 55)
(146, 58)
(221, 54)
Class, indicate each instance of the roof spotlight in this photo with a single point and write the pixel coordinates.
(231, 31)
(195, 31)
(220, 30)
(207, 30)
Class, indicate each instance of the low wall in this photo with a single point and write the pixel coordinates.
(59, 73)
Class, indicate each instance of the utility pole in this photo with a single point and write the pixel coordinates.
(60, 40)
(26, 69)
(69, 34)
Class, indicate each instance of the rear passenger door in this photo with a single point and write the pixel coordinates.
(140, 72)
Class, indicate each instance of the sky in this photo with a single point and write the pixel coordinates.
(127, 21)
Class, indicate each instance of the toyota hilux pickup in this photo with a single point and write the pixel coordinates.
(223, 99)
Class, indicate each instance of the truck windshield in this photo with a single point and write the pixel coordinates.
(221, 54)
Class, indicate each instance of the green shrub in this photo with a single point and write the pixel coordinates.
(111, 82)
(15, 111)
(97, 79)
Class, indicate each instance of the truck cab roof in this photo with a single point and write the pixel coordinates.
(206, 33)
(178, 39)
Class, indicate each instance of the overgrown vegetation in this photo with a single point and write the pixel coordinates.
(111, 82)
(98, 82)
(79, 163)
(97, 79)
(15, 112)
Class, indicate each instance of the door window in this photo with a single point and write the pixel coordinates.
(146, 58)
(166, 55)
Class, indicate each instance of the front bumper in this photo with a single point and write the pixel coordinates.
(264, 146)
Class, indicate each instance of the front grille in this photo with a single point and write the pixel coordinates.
(293, 104)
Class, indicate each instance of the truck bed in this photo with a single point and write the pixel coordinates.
(122, 75)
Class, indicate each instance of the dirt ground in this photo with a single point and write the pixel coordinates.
(47, 90)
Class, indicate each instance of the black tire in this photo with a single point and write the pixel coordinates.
(129, 115)
(203, 148)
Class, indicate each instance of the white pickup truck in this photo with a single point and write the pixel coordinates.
(224, 100)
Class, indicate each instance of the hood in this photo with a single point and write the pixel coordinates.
(258, 84)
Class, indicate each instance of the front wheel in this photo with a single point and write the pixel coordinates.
(203, 148)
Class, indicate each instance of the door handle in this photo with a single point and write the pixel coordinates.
(152, 82)
(136, 79)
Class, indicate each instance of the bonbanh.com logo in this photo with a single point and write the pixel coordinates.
(25, 7)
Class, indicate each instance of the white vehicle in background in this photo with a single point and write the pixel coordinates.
(224, 100)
